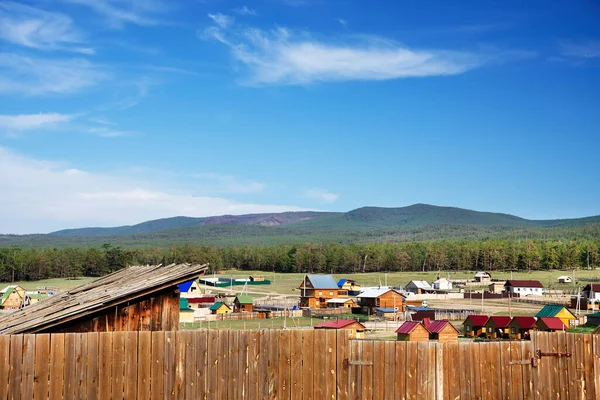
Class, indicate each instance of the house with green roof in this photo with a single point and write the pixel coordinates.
(220, 308)
(593, 319)
(243, 303)
(557, 311)
(11, 297)
(186, 314)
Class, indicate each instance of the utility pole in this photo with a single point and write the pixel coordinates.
(482, 300)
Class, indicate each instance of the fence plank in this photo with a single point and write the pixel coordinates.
(308, 346)
(411, 370)
(421, 370)
(104, 364)
(117, 371)
(319, 364)
(222, 365)
(81, 359)
(512, 374)
(191, 352)
(15, 371)
(201, 363)
(389, 369)
(400, 374)
(42, 366)
(130, 365)
(430, 354)
(28, 366)
(232, 378)
(243, 340)
(495, 370)
(330, 362)
(367, 371)
(157, 350)
(70, 374)
(91, 383)
(263, 365)
(170, 361)
(342, 373)
(144, 364)
(4, 365)
(179, 364)
(212, 380)
(562, 378)
(378, 370)
(527, 354)
(296, 367)
(484, 384)
(285, 363)
(596, 348)
(588, 361)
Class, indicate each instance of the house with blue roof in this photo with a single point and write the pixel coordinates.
(350, 285)
(315, 290)
(189, 287)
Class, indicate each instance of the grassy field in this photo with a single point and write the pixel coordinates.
(272, 323)
(60, 283)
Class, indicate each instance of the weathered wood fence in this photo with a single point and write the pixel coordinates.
(293, 364)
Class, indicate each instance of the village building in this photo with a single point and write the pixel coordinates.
(524, 287)
(483, 277)
(371, 299)
(243, 303)
(549, 324)
(442, 331)
(257, 278)
(442, 284)
(474, 325)
(496, 287)
(419, 287)
(592, 291)
(357, 330)
(220, 308)
(12, 297)
(201, 302)
(315, 290)
(386, 313)
(350, 285)
(189, 288)
(412, 331)
(564, 279)
(521, 327)
(496, 327)
(340, 302)
(557, 311)
(137, 298)
(593, 319)
(186, 314)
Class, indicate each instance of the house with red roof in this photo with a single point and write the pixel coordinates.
(521, 327)
(412, 331)
(550, 324)
(496, 327)
(592, 291)
(357, 330)
(524, 287)
(474, 324)
(442, 331)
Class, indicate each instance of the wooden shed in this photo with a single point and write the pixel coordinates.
(521, 327)
(12, 297)
(442, 331)
(220, 308)
(550, 324)
(412, 331)
(137, 298)
(496, 327)
(243, 303)
(474, 324)
(357, 329)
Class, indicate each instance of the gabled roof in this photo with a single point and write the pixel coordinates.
(524, 322)
(244, 299)
(553, 322)
(341, 282)
(593, 286)
(125, 285)
(477, 320)
(437, 326)
(551, 311)
(524, 283)
(322, 281)
(338, 324)
(374, 293)
(500, 321)
(420, 284)
(185, 286)
(409, 326)
(6, 292)
(218, 305)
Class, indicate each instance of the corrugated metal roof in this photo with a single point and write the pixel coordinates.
(477, 320)
(551, 311)
(337, 324)
(244, 299)
(374, 293)
(420, 284)
(408, 326)
(553, 322)
(524, 283)
(524, 322)
(437, 326)
(500, 321)
(322, 281)
(593, 286)
(341, 282)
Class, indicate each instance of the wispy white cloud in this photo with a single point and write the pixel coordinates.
(41, 196)
(41, 76)
(244, 10)
(39, 29)
(229, 184)
(24, 122)
(585, 50)
(120, 12)
(107, 132)
(342, 21)
(222, 20)
(282, 56)
(322, 195)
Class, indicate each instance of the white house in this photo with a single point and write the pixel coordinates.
(418, 287)
(524, 287)
(442, 284)
(564, 279)
(483, 277)
(592, 291)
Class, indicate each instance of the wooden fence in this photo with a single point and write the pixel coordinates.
(293, 364)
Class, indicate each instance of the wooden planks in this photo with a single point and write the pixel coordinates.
(42, 366)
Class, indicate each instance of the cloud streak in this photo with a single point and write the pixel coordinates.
(120, 12)
(282, 56)
(24, 122)
(584, 50)
(321, 195)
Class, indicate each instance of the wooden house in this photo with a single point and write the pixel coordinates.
(340, 302)
(315, 290)
(186, 314)
(442, 331)
(550, 324)
(220, 308)
(592, 291)
(371, 299)
(558, 311)
(412, 331)
(243, 303)
(419, 287)
(521, 327)
(350, 285)
(12, 297)
(496, 327)
(189, 288)
(474, 325)
(357, 330)
(483, 277)
(137, 298)
(524, 287)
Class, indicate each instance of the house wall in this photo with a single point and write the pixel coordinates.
(447, 335)
(524, 291)
(565, 316)
(473, 330)
(158, 312)
(317, 298)
(243, 307)
(419, 334)
(223, 310)
(13, 301)
(186, 316)
(386, 300)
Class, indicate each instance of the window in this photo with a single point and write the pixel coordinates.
(331, 293)
(468, 328)
(320, 293)
(513, 330)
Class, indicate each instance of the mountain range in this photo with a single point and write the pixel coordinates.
(415, 222)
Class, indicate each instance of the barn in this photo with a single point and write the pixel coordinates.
(412, 331)
(137, 298)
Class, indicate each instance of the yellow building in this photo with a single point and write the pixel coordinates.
(560, 312)
(11, 297)
(220, 308)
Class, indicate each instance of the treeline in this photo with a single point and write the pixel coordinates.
(34, 264)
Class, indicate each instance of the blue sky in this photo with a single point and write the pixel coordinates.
(118, 111)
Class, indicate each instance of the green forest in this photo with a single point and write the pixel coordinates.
(493, 255)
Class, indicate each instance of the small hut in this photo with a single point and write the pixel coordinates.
(520, 327)
(474, 324)
(550, 324)
(497, 327)
(412, 331)
(12, 297)
(561, 312)
(442, 331)
(243, 303)
(220, 308)
(357, 330)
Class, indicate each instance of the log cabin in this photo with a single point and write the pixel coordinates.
(315, 290)
(412, 331)
(442, 331)
(372, 299)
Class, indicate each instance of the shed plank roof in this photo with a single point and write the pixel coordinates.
(124, 285)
